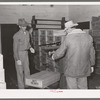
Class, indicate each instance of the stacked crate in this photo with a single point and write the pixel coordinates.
(57, 38)
(50, 39)
(36, 47)
(42, 37)
(2, 74)
(42, 55)
(96, 36)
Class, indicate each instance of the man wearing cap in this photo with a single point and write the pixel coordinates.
(79, 56)
(20, 47)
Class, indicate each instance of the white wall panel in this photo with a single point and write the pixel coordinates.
(80, 13)
(11, 13)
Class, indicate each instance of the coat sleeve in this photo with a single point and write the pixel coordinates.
(92, 54)
(30, 36)
(29, 44)
(15, 47)
(61, 50)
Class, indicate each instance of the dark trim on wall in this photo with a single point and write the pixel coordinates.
(84, 25)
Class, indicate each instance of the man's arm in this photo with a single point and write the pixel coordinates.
(61, 50)
(92, 54)
(15, 48)
(30, 47)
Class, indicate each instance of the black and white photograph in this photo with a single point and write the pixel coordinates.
(50, 46)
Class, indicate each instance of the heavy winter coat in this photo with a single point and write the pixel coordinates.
(79, 54)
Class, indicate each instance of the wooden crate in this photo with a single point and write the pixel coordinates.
(42, 79)
(2, 85)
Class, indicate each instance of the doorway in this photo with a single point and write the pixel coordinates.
(7, 32)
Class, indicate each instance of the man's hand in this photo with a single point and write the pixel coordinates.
(92, 69)
(32, 50)
(19, 62)
(52, 57)
(51, 53)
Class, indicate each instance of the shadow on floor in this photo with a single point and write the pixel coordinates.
(94, 81)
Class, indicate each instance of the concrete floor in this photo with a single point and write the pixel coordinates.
(93, 83)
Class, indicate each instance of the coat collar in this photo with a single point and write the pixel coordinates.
(75, 31)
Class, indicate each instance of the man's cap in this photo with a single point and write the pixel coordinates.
(22, 22)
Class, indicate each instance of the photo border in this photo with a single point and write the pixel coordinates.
(23, 94)
(49, 1)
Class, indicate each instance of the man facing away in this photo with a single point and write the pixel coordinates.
(21, 45)
(80, 56)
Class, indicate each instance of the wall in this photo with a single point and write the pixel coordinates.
(11, 13)
(80, 13)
